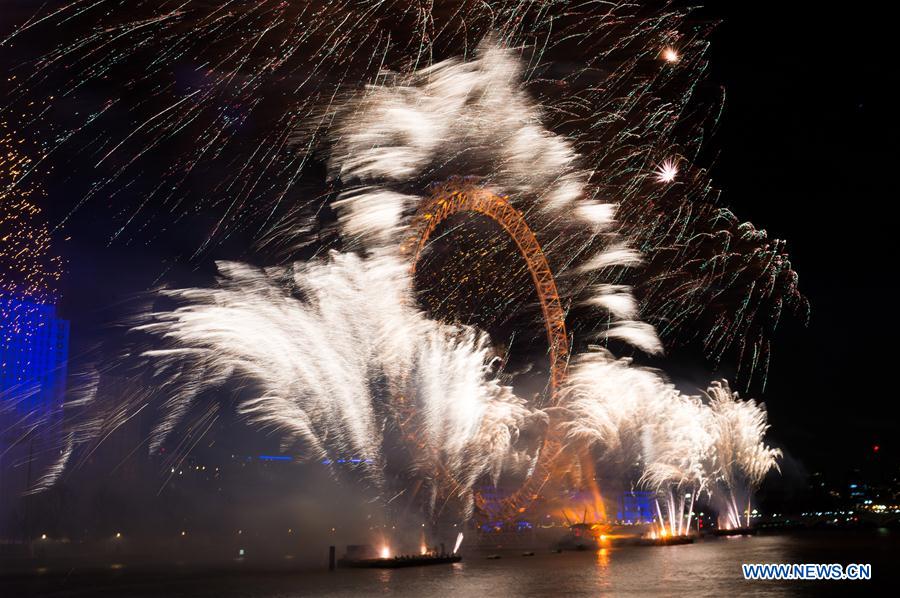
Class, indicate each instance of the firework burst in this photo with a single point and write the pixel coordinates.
(681, 446)
(740, 459)
(220, 92)
(29, 268)
(260, 98)
(667, 172)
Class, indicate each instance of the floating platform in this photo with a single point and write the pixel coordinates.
(666, 541)
(400, 561)
(737, 531)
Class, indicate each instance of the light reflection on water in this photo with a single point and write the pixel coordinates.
(603, 580)
(707, 568)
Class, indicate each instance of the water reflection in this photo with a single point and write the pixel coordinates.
(706, 568)
(603, 571)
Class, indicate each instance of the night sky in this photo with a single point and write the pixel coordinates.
(807, 149)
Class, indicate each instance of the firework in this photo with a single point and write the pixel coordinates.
(670, 54)
(667, 172)
(338, 360)
(249, 95)
(29, 271)
(641, 428)
(678, 445)
(740, 458)
(28, 267)
(474, 118)
(336, 353)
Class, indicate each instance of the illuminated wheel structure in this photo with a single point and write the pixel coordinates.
(457, 196)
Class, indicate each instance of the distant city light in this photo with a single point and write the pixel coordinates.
(275, 458)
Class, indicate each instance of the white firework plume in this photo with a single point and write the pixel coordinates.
(635, 417)
(457, 116)
(741, 459)
(682, 446)
(335, 353)
(677, 452)
(623, 81)
(608, 402)
(473, 118)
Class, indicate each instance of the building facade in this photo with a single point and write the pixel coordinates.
(34, 347)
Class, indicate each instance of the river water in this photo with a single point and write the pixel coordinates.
(706, 568)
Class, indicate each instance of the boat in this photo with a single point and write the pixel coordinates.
(736, 531)
(581, 536)
(400, 561)
(665, 541)
(364, 556)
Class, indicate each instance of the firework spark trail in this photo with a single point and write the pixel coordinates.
(28, 267)
(681, 444)
(21, 421)
(633, 417)
(217, 91)
(316, 343)
(597, 156)
(474, 117)
(740, 458)
(29, 272)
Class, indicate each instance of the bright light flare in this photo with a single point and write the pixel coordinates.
(667, 171)
(385, 552)
(459, 539)
(670, 55)
(313, 359)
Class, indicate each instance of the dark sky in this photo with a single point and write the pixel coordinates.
(807, 149)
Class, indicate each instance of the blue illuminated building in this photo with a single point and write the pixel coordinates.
(635, 507)
(34, 346)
